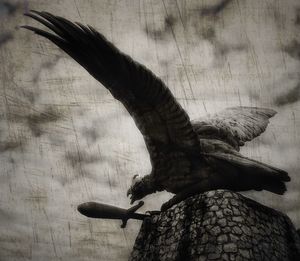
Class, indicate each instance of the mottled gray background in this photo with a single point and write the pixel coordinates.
(65, 140)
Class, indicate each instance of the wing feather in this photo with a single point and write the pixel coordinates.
(164, 124)
(235, 125)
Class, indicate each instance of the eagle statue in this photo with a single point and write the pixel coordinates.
(187, 157)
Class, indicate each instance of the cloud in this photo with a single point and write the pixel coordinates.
(91, 134)
(293, 49)
(35, 121)
(289, 97)
(87, 165)
(220, 48)
(5, 38)
(297, 21)
(165, 31)
(215, 9)
(76, 158)
(7, 8)
(24, 122)
(47, 65)
(95, 130)
(10, 145)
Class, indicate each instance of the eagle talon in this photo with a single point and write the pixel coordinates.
(166, 206)
(153, 212)
(135, 208)
(129, 212)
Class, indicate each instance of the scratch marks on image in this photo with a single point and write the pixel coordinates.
(163, 33)
(33, 118)
(27, 122)
(75, 158)
(204, 23)
(91, 134)
(38, 120)
(85, 165)
(220, 49)
(209, 22)
(85, 155)
(45, 66)
(95, 129)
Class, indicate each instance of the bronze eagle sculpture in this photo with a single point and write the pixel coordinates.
(187, 157)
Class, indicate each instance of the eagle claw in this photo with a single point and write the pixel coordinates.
(153, 212)
(166, 206)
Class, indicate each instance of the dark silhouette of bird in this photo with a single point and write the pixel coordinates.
(187, 157)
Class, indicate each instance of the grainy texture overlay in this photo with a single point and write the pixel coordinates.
(64, 140)
(217, 225)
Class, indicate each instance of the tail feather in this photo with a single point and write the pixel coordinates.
(275, 186)
(254, 174)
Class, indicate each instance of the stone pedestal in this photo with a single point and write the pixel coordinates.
(217, 225)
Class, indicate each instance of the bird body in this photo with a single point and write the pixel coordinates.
(187, 156)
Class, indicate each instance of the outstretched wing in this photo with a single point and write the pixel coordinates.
(164, 124)
(235, 125)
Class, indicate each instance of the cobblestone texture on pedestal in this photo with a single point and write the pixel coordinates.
(217, 225)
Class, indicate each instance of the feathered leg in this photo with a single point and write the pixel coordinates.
(188, 192)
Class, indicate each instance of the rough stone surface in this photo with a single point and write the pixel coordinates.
(217, 225)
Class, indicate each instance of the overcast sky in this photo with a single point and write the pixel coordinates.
(64, 140)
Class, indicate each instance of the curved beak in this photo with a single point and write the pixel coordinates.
(132, 198)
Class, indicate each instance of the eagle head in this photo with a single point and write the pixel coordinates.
(137, 189)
